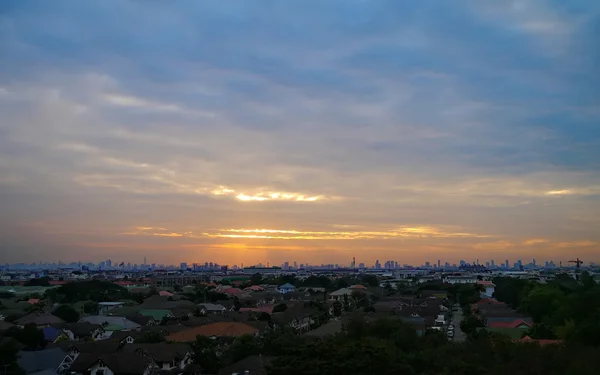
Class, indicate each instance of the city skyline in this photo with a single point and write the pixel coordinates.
(316, 131)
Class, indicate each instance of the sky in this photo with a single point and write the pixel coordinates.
(311, 131)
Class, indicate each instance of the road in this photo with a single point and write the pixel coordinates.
(457, 317)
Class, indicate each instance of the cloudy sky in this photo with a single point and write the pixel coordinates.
(310, 130)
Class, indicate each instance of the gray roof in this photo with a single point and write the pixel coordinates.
(211, 307)
(329, 328)
(254, 364)
(47, 359)
(39, 319)
(119, 363)
(111, 320)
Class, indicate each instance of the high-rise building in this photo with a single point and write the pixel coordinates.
(377, 264)
(439, 263)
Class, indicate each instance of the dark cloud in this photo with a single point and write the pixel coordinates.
(120, 114)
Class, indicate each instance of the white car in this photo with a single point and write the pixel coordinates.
(450, 333)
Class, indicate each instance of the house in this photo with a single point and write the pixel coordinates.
(157, 314)
(5, 326)
(295, 316)
(211, 308)
(166, 356)
(219, 329)
(104, 307)
(74, 349)
(51, 333)
(142, 320)
(41, 360)
(82, 331)
(517, 323)
(328, 329)
(251, 365)
(489, 288)
(338, 295)
(125, 337)
(527, 339)
(464, 279)
(233, 291)
(254, 288)
(182, 313)
(39, 320)
(286, 288)
(111, 323)
(113, 364)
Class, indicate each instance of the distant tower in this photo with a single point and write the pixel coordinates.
(144, 261)
(353, 262)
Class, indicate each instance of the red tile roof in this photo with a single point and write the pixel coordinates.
(267, 309)
(514, 324)
(541, 342)
(220, 329)
(235, 291)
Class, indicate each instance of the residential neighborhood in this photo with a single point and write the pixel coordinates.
(103, 326)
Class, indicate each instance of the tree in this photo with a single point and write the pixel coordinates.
(542, 301)
(8, 358)
(42, 281)
(30, 336)
(205, 354)
(470, 324)
(90, 307)
(151, 338)
(256, 279)
(66, 313)
(280, 308)
(541, 331)
(337, 309)
(370, 280)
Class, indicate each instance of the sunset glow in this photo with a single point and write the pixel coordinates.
(322, 131)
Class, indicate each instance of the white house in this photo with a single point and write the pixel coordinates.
(338, 295)
(211, 308)
(489, 289)
(461, 279)
(103, 307)
(286, 288)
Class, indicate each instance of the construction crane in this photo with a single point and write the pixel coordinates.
(578, 262)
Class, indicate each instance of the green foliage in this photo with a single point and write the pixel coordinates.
(30, 336)
(370, 280)
(542, 301)
(337, 309)
(151, 338)
(42, 281)
(205, 354)
(6, 294)
(256, 279)
(90, 307)
(66, 313)
(280, 308)
(94, 290)
(541, 331)
(389, 346)
(470, 323)
(8, 358)
(562, 308)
